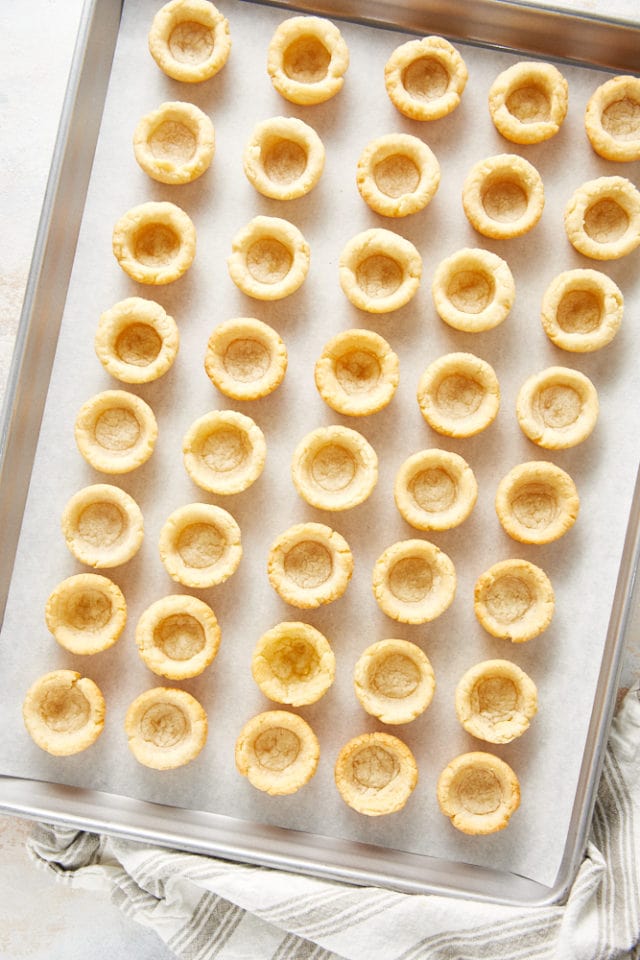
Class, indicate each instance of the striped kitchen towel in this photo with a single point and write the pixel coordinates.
(205, 908)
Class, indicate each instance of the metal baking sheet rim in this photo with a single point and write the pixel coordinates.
(45, 296)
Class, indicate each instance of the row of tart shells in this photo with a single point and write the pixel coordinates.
(307, 59)
(178, 636)
(473, 291)
(293, 663)
(277, 750)
(379, 270)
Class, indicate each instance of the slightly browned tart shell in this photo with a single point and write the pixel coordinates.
(397, 175)
(166, 728)
(334, 468)
(224, 451)
(245, 359)
(200, 545)
(293, 663)
(479, 792)
(582, 310)
(612, 119)
(310, 564)
(602, 218)
(155, 242)
(136, 340)
(473, 290)
(269, 258)
(379, 270)
(557, 408)
(174, 143)
(425, 78)
(435, 490)
(514, 600)
(189, 40)
(178, 636)
(528, 102)
(64, 712)
(277, 751)
(357, 373)
(307, 60)
(284, 158)
(459, 395)
(414, 581)
(102, 525)
(537, 502)
(115, 431)
(394, 681)
(496, 701)
(375, 774)
(86, 613)
(503, 196)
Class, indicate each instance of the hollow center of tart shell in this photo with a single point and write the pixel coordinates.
(508, 599)
(458, 396)
(117, 429)
(477, 791)
(306, 60)
(268, 260)
(535, 505)
(497, 697)
(200, 545)
(246, 360)
(396, 676)
(529, 104)
(558, 405)
(284, 161)
(292, 660)
(579, 311)
(396, 175)
(276, 748)
(433, 489)
(333, 467)
(138, 344)
(65, 710)
(225, 449)
(621, 119)
(164, 725)
(308, 564)
(179, 637)
(504, 200)
(101, 524)
(411, 579)
(374, 768)
(471, 291)
(358, 371)
(379, 275)
(606, 221)
(156, 244)
(88, 610)
(173, 141)
(425, 79)
(191, 42)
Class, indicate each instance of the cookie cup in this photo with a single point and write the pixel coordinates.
(86, 613)
(278, 752)
(189, 40)
(63, 712)
(375, 774)
(166, 728)
(394, 681)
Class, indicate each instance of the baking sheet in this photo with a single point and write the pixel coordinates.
(564, 662)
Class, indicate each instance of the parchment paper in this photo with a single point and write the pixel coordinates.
(583, 565)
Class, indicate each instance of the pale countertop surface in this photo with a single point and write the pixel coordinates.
(38, 918)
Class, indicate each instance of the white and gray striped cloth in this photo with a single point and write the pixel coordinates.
(205, 908)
